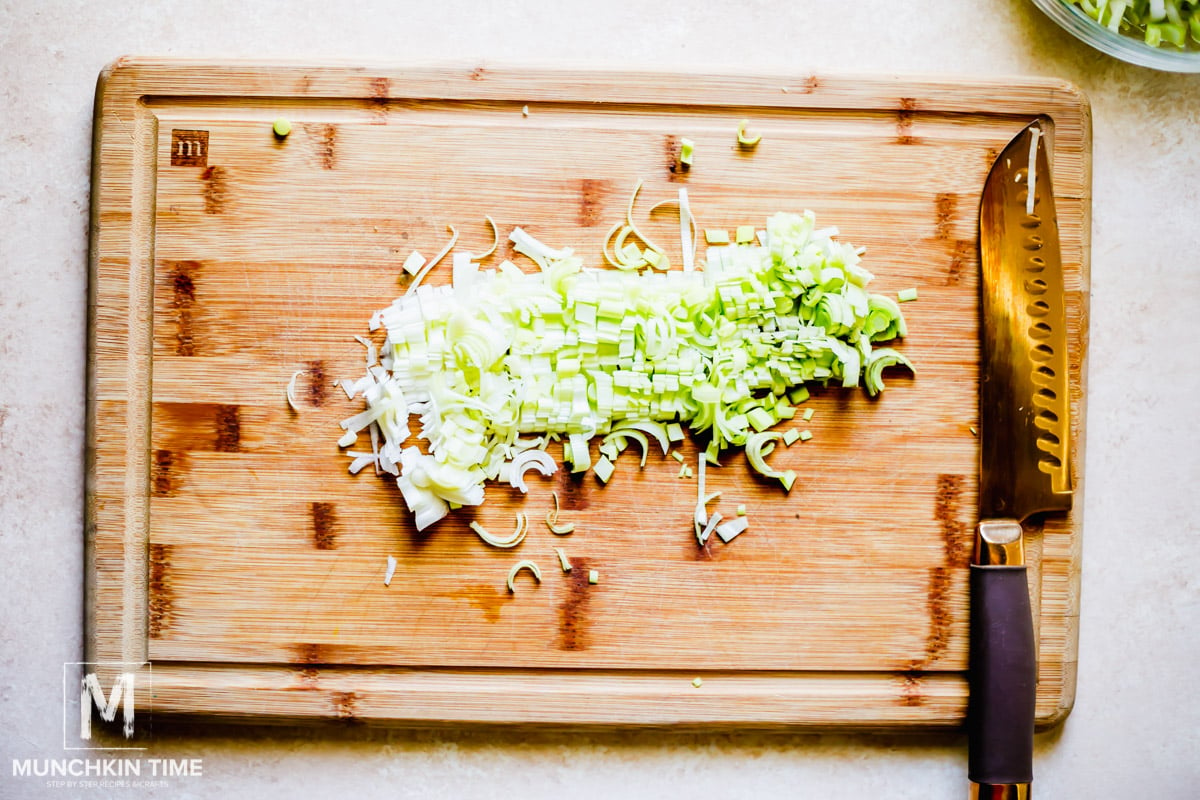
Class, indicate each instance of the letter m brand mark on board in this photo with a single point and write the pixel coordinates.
(189, 148)
(122, 695)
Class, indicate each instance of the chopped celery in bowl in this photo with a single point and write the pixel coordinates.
(1160, 34)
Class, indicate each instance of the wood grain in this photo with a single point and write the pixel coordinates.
(228, 545)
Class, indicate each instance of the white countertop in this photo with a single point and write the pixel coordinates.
(1134, 730)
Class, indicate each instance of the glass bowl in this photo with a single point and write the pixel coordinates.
(1119, 45)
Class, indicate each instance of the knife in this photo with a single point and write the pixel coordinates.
(1024, 459)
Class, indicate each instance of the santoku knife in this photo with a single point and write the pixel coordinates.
(1024, 464)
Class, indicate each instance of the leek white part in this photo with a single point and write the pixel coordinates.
(530, 459)
(732, 528)
(517, 537)
(708, 529)
(391, 570)
(539, 252)
(686, 232)
(291, 390)
(520, 565)
(414, 262)
(495, 239)
(420, 276)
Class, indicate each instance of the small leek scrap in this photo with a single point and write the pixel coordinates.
(687, 150)
(291, 391)
(281, 128)
(391, 570)
(517, 537)
(697, 682)
(523, 565)
(728, 530)
(743, 136)
(552, 521)
(593, 577)
(563, 560)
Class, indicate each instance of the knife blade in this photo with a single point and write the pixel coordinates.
(1024, 454)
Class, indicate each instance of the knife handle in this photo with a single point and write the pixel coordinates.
(1003, 679)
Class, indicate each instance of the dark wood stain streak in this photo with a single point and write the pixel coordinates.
(228, 424)
(954, 531)
(160, 601)
(324, 520)
(183, 298)
(705, 552)
(910, 692)
(811, 85)
(671, 148)
(946, 510)
(381, 89)
(165, 472)
(574, 490)
(904, 118)
(485, 597)
(592, 194)
(573, 610)
(325, 140)
(308, 676)
(945, 205)
(345, 707)
(216, 189)
(318, 386)
(309, 653)
(964, 256)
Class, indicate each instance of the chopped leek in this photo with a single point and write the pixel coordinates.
(905, 295)
(414, 262)
(687, 149)
(520, 565)
(512, 541)
(878, 360)
(281, 127)
(530, 459)
(741, 509)
(291, 395)
(697, 682)
(593, 577)
(805, 435)
(604, 469)
(552, 521)
(716, 236)
(391, 571)
(563, 560)
(732, 528)
(570, 353)
(808, 414)
(790, 436)
(744, 138)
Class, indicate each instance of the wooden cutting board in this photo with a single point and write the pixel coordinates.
(229, 546)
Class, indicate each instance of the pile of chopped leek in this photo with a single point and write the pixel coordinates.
(503, 363)
(1157, 22)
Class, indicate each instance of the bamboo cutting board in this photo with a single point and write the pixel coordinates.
(231, 549)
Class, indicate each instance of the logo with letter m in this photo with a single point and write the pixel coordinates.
(90, 692)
